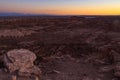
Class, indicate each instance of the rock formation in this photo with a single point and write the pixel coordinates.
(20, 61)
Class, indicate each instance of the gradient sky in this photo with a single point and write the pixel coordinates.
(63, 7)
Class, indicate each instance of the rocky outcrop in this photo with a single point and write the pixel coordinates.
(21, 61)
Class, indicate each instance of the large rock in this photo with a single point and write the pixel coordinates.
(21, 60)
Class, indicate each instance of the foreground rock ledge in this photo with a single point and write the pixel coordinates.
(20, 61)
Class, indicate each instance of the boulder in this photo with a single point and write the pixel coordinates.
(21, 60)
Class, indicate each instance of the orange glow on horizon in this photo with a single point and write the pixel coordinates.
(81, 12)
(69, 11)
(62, 7)
(115, 10)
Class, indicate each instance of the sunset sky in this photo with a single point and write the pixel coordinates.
(62, 7)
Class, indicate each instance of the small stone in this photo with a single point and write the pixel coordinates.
(56, 71)
(105, 69)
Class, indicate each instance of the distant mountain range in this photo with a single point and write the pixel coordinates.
(22, 14)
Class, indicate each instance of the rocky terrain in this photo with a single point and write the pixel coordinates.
(67, 48)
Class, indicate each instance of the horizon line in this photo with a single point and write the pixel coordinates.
(42, 14)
